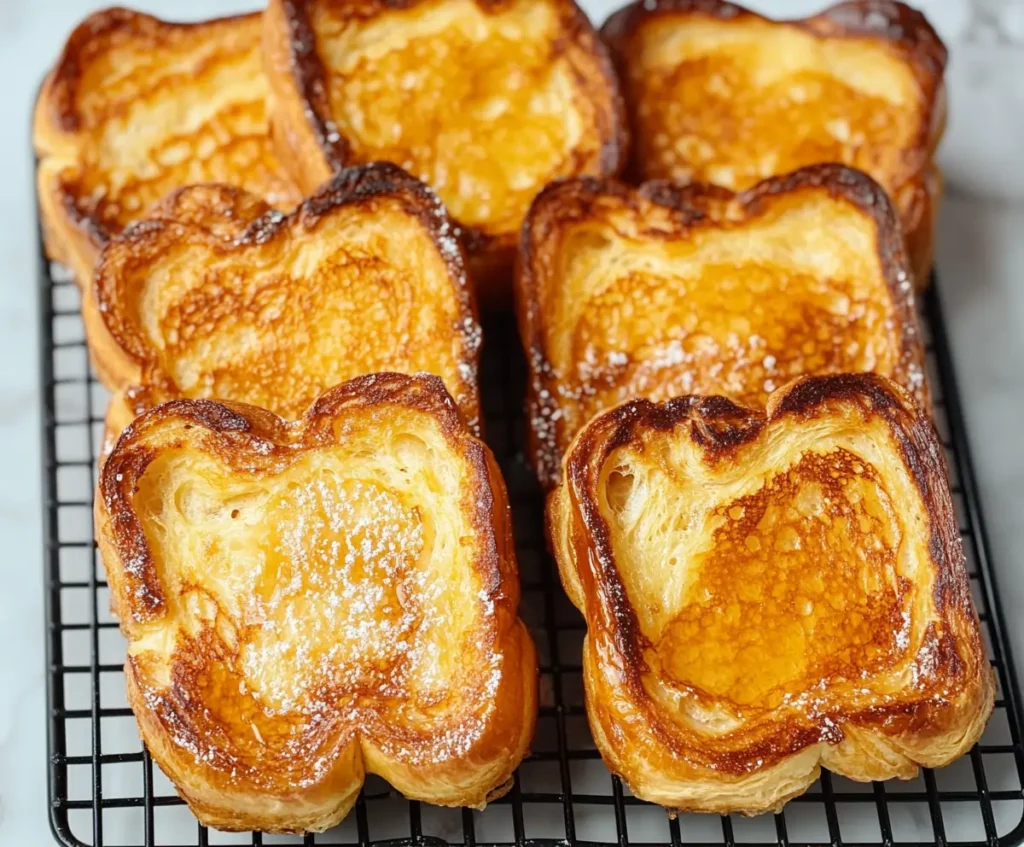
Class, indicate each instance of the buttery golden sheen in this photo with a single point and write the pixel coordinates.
(136, 107)
(667, 290)
(485, 100)
(221, 297)
(769, 593)
(717, 93)
(308, 602)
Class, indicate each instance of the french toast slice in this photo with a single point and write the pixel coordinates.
(717, 93)
(306, 602)
(136, 107)
(221, 297)
(769, 593)
(485, 101)
(666, 290)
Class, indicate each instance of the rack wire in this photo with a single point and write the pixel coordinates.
(104, 789)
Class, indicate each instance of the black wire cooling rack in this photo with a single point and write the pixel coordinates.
(104, 790)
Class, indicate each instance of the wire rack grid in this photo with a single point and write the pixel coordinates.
(104, 789)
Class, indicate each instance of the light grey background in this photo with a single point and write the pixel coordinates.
(980, 258)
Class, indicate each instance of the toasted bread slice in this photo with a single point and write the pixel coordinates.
(717, 93)
(136, 107)
(307, 602)
(485, 101)
(769, 593)
(219, 296)
(666, 290)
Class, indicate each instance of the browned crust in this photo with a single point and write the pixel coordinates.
(290, 48)
(904, 28)
(221, 788)
(691, 206)
(75, 236)
(958, 687)
(123, 354)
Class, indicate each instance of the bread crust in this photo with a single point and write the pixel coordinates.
(314, 141)
(903, 31)
(925, 709)
(308, 765)
(344, 237)
(660, 212)
(82, 202)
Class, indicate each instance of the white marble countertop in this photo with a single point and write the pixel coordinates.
(980, 260)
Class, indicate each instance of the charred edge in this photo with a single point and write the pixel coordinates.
(117, 484)
(895, 22)
(422, 392)
(358, 184)
(623, 23)
(613, 127)
(310, 81)
(364, 182)
(86, 222)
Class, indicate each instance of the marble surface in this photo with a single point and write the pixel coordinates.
(980, 259)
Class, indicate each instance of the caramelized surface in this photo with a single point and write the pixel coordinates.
(324, 581)
(629, 301)
(769, 593)
(306, 602)
(480, 101)
(731, 328)
(292, 306)
(279, 338)
(799, 586)
(735, 104)
(155, 106)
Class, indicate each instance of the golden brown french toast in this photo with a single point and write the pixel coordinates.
(485, 100)
(221, 297)
(717, 93)
(136, 107)
(769, 593)
(668, 290)
(308, 602)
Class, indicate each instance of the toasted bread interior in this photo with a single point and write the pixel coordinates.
(343, 572)
(734, 103)
(481, 101)
(146, 107)
(274, 321)
(757, 584)
(738, 308)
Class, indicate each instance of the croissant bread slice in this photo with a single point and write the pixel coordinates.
(769, 593)
(668, 290)
(219, 296)
(307, 602)
(136, 107)
(717, 93)
(487, 102)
